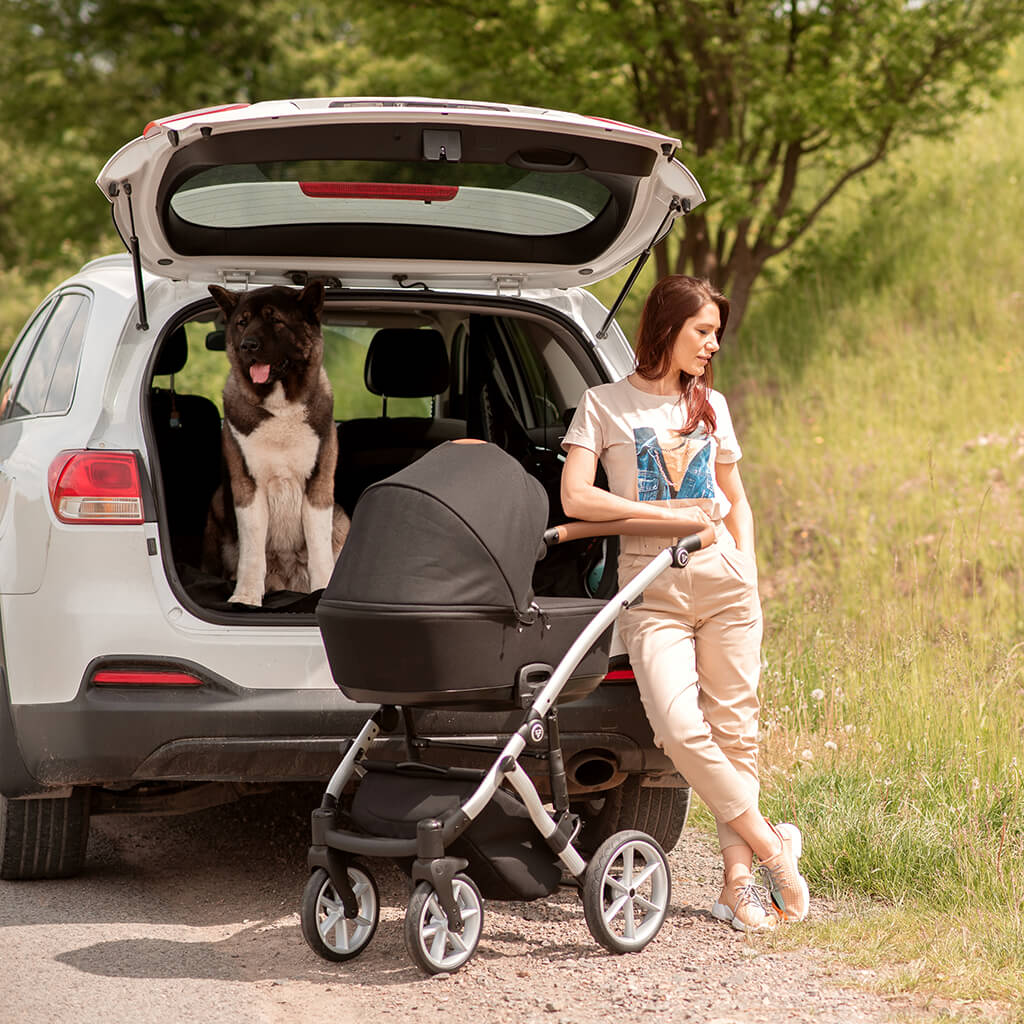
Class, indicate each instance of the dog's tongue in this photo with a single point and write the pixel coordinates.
(260, 373)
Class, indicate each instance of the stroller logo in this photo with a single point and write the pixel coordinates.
(537, 732)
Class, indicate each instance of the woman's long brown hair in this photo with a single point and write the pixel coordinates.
(673, 301)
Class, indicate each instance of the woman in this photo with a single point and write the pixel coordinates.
(667, 445)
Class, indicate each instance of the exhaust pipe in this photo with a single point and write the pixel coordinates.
(591, 770)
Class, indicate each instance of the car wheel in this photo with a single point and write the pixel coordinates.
(659, 811)
(44, 837)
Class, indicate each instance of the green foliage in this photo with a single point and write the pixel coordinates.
(880, 410)
(778, 106)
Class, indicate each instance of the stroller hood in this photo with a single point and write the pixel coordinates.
(461, 526)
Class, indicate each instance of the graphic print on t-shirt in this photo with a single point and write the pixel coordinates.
(682, 469)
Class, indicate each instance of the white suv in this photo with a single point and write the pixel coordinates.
(127, 682)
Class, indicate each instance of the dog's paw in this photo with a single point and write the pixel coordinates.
(253, 597)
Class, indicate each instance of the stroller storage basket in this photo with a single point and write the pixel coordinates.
(508, 859)
(431, 603)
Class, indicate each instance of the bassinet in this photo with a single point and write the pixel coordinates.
(431, 600)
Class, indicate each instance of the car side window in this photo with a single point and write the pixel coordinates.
(65, 371)
(15, 364)
(53, 363)
(549, 381)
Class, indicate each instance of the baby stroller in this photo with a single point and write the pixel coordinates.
(430, 605)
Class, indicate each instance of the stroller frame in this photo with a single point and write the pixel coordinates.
(624, 908)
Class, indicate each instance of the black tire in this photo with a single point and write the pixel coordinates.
(324, 926)
(627, 890)
(44, 837)
(659, 811)
(431, 945)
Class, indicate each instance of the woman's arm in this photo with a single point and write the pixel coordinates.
(740, 520)
(582, 500)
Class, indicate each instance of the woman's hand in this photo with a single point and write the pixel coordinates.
(685, 521)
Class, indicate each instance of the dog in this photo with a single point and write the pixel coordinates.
(273, 523)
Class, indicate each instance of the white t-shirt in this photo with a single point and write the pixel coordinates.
(638, 438)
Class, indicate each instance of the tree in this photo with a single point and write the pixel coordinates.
(82, 77)
(779, 105)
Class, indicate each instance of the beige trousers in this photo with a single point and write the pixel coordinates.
(694, 641)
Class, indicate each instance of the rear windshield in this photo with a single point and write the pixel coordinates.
(475, 197)
(380, 191)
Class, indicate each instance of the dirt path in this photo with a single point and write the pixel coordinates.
(197, 918)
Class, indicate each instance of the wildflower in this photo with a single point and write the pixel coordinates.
(849, 729)
(830, 745)
(807, 754)
(817, 695)
(888, 782)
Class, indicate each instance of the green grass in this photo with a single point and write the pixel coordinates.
(879, 402)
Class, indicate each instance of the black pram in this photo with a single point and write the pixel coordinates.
(431, 604)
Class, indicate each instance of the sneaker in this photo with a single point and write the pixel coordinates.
(752, 909)
(782, 877)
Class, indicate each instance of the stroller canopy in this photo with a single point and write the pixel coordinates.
(462, 526)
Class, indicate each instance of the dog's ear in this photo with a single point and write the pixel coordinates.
(228, 301)
(311, 301)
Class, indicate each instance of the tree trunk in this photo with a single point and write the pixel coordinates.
(744, 274)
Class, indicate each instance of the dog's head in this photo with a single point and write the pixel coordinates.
(272, 334)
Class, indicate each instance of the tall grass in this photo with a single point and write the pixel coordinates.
(882, 415)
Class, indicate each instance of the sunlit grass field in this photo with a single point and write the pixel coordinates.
(880, 404)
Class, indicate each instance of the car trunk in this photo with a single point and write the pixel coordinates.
(513, 371)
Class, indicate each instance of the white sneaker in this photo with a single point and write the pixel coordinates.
(752, 909)
(782, 877)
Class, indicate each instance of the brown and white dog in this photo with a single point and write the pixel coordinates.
(273, 524)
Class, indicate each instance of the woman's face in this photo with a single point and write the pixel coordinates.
(697, 341)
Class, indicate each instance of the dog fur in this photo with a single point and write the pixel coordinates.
(281, 529)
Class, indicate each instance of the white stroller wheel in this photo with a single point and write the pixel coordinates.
(325, 927)
(434, 946)
(626, 892)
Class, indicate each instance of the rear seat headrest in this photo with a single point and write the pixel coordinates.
(404, 362)
(173, 353)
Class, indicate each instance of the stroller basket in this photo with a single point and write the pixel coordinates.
(430, 602)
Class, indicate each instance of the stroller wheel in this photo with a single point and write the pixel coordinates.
(626, 892)
(325, 927)
(434, 946)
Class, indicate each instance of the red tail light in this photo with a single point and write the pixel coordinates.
(144, 677)
(374, 190)
(620, 675)
(96, 487)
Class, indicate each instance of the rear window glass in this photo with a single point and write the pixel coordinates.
(476, 197)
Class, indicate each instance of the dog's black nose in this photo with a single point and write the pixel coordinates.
(249, 344)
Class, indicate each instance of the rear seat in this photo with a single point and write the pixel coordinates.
(400, 363)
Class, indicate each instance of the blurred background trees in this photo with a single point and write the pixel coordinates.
(778, 105)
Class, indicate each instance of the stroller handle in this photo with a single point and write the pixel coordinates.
(624, 527)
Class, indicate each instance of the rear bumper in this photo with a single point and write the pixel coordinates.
(221, 732)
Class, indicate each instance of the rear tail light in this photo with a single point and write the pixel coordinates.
(96, 487)
(375, 190)
(144, 677)
(620, 675)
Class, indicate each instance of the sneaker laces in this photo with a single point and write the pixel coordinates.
(751, 892)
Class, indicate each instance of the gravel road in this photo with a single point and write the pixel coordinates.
(196, 918)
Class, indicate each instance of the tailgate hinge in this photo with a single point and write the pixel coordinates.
(508, 285)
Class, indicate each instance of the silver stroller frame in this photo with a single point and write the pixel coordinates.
(625, 887)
